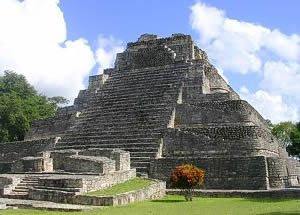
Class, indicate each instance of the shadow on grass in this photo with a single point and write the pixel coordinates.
(281, 213)
(268, 200)
(168, 200)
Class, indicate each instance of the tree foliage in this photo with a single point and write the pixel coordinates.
(294, 148)
(288, 134)
(20, 103)
(283, 132)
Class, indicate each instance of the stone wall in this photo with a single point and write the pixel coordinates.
(220, 112)
(32, 164)
(275, 193)
(58, 157)
(195, 98)
(92, 184)
(50, 127)
(7, 183)
(146, 57)
(154, 191)
(182, 44)
(221, 173)
(97, 81)
(121, 158)
(277, 172)
(216, 82)
(91, 164)
(16, 150)
(235, 141)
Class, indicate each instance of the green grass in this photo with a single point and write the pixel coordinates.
(130, 185)
(175, 205)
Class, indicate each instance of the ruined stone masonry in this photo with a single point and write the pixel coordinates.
(163, 104)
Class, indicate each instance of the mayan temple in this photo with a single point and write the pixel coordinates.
(163, 104)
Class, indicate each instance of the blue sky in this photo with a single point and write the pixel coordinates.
(254, 44)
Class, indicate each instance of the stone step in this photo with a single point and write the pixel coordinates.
(145, 78)
(28, 183)
(142, 170)
(71, 190)
(113, 97)
(141, 94)
(30, 179)
(107, 141)
(135, 155)
(143, 84)
(132, 145)
(124, 111)
(102, 99)
(124, 122)
(131, 117)
(140, 164)
(122, 108)
(17, 189)
(16, 195)
(22, 186)
(174, 69)
(143, 154)
(120, 131)
(117, 136)
(150, 72)
(141, 159)
(153, 79)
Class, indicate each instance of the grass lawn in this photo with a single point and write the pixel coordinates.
(130, 185)
(175, 205)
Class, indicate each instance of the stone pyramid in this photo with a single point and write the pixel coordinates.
(167, 105)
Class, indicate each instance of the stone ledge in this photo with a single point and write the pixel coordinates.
(43, 205)
(154, 191)
(274, 193)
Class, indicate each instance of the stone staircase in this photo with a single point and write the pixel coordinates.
(21, 190)
(130, 112)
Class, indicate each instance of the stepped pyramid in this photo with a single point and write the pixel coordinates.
(167, 105)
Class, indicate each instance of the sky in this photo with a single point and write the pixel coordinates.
(254, 44)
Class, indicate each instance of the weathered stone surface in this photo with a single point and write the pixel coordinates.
(81, 163)
(33, 164)
(221, 173)
(154, 191)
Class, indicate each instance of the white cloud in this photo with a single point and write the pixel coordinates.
(270, 106)
(33, 42)
(235, 45)
(282, 78)
(243, 47)
(108, 47)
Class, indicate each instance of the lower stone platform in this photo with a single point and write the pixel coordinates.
(273, 193)
(44, 205)
(58, 186)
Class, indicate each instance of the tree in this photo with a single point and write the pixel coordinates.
(187, 177)
(283, 132)
(20, 103)
(294, 148)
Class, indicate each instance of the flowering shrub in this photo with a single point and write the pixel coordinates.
(187, 177)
